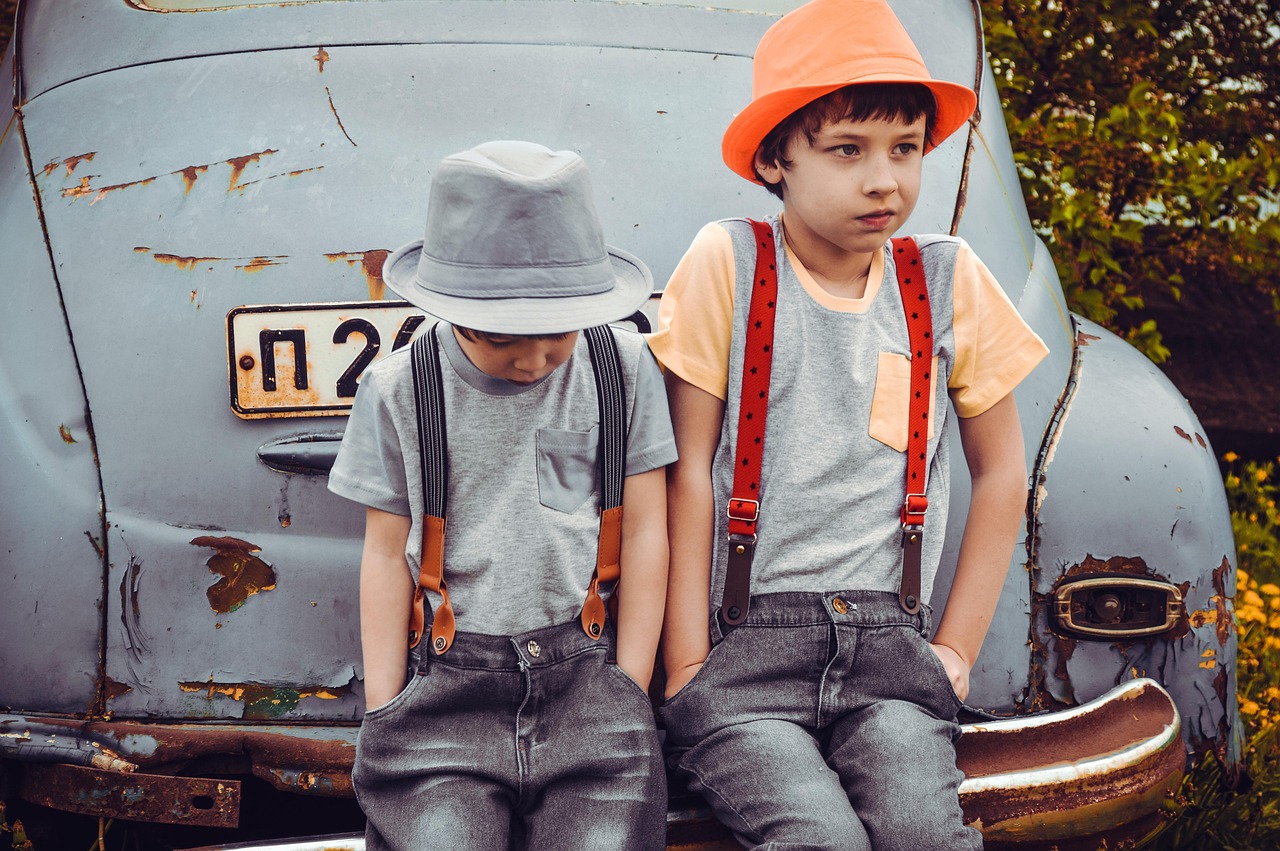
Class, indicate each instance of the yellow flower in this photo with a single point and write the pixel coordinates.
(1272, 693)
(1260, 474)
(1270, 589)
(1249, 707)
(1251, 598)
(1230, 457)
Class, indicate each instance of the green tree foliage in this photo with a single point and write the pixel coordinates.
(1145, 132)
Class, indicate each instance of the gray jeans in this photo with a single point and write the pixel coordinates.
(536, 740)
(825, 721)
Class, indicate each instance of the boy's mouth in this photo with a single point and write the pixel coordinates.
(878, 219)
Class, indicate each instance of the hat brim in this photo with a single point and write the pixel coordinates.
(633, 284)
(748, 129)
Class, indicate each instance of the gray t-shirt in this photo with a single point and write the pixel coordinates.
(523, 513)
(836, 434)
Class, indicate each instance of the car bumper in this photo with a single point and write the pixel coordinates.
(1099, 770)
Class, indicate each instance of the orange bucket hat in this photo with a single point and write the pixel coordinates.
(823, 46)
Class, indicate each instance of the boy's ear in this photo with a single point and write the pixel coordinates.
(769, 170)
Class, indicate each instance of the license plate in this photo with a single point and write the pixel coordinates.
(305, 360)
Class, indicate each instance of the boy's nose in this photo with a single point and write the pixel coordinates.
(879, 177)
(532, 360)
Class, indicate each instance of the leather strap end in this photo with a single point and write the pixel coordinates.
(593, 612)
(909, 592)
(442, 627)
(737, 581)
(609, 550)
(417, 617)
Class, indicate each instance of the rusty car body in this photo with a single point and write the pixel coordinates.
(196, 197)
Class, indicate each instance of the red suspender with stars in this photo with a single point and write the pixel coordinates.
(744, 503)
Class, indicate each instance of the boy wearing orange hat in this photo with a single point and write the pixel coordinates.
(809, 362)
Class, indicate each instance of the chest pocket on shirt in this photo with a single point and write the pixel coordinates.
(892, 397)
(568, 464)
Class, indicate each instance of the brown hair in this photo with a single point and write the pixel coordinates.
(487, 337)
(905, 102)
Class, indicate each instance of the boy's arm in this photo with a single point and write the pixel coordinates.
(386, 593)
(993, 448)
(643, 585)
(696, 417)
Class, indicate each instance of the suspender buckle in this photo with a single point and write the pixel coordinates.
(743, 510)
(913, 509)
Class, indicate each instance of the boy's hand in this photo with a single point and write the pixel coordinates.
(677, 679)
(957, 669)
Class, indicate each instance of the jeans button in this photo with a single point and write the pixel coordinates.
(534, 649)
(839, 605)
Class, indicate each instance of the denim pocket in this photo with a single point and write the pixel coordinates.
(697, 678)
(630, 685)
(412, 686)
(889, 405)
(567, 467)
(941, 678)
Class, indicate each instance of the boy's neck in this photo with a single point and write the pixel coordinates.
(840, 273)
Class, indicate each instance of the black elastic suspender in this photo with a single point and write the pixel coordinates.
(428, 395)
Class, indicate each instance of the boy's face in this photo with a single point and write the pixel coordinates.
(853, 187)
(522, 360)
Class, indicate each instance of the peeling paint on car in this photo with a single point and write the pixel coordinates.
(243, 574)
(262, 701)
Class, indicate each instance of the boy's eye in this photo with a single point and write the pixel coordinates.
(907, 147)
(847, 150)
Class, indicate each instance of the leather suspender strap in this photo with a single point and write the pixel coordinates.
(611, 393)
(915, 304)
(428, 394)
(744, 503)
(428, 397)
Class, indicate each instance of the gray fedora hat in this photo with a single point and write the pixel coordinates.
(513, 245)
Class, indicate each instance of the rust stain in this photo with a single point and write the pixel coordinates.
(82, 188)
(238, 165)
(1084, 339)
(70, 163)
(85, 187)
(370, 263)
(338, 118)
(1200, 440)
(66, 434)
(189, 175)
(321, 57)
(242, 186)
(186, 264)
(257, 264)
(1222, 601)
(243, 574)
(95, 543)
(1200, 617)
(116, 689)
(1182, 434)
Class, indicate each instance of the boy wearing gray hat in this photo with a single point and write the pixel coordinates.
(516, 713)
